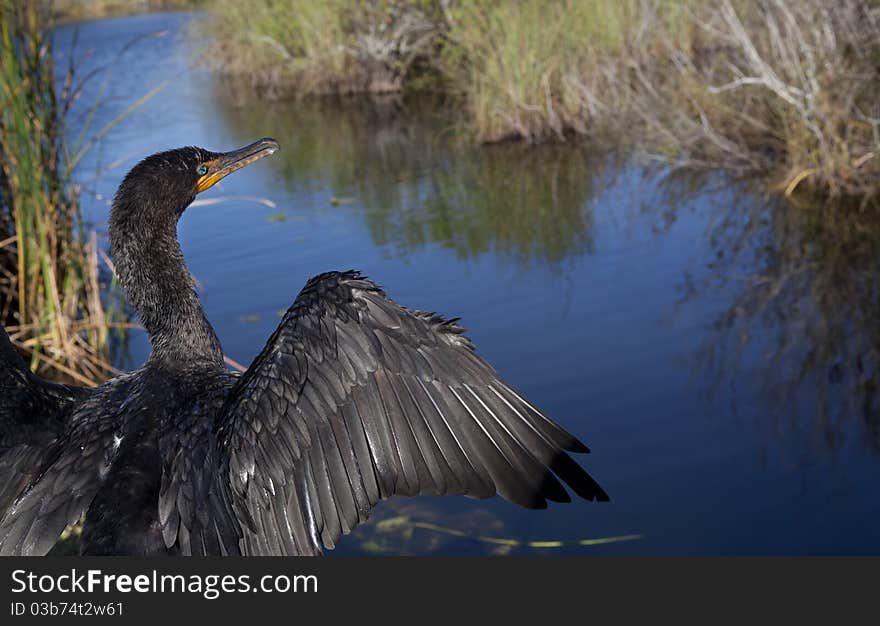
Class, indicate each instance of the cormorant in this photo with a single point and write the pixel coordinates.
(354, 399)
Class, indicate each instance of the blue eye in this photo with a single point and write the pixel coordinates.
(202, 170)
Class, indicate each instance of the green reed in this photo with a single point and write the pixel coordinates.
(50, 296)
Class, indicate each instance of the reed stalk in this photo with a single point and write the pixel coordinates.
(50, 286)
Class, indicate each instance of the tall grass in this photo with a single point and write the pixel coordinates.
(773, 85)
(787, 87)
(327, 47)
(766, 85)
(49, 284)
(520, 66)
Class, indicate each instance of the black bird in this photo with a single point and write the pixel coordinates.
(354, 399)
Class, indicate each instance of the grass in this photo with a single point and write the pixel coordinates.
(328, 47)
(520, 66)
(50, 289)
(774, 86)
(786, 87)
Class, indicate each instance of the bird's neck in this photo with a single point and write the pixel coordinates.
(150, 266)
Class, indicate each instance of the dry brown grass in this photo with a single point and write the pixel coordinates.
(773, 85)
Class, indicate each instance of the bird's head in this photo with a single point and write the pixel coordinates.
(143, 235)
(158, 189)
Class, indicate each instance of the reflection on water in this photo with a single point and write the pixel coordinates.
(804, 283)
(611, 297)
(408, 527)
(807, 308)
(419, 186)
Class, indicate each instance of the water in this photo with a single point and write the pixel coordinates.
(716, 352)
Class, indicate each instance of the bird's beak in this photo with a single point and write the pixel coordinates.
(228, 162)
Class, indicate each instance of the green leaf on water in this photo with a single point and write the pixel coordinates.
(251, 318)
(373, 546)
(278, 217)
(336, 201)
(406, 525)
(392, 523)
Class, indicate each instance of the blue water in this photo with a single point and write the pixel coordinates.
(619, 299)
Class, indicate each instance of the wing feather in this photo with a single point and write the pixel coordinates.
(355, 399)
(195, 505)
(53, 455)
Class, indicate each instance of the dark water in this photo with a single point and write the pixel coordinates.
(718, 353)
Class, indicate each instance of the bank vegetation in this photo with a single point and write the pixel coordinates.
(787, 88)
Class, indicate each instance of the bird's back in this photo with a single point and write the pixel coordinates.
(158, 412)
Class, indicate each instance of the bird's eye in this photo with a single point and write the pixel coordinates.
(202, 170)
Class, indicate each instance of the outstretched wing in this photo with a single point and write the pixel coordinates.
(47, 464)
(355, 399)
(32, 411)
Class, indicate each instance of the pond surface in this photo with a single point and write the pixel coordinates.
(717, 352)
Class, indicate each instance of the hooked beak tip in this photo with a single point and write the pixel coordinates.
(229, 162)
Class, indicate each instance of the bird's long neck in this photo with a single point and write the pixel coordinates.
(150, 266)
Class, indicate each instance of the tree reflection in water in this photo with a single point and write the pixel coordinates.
(804, 318)
(416, 184)
(801, 279)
